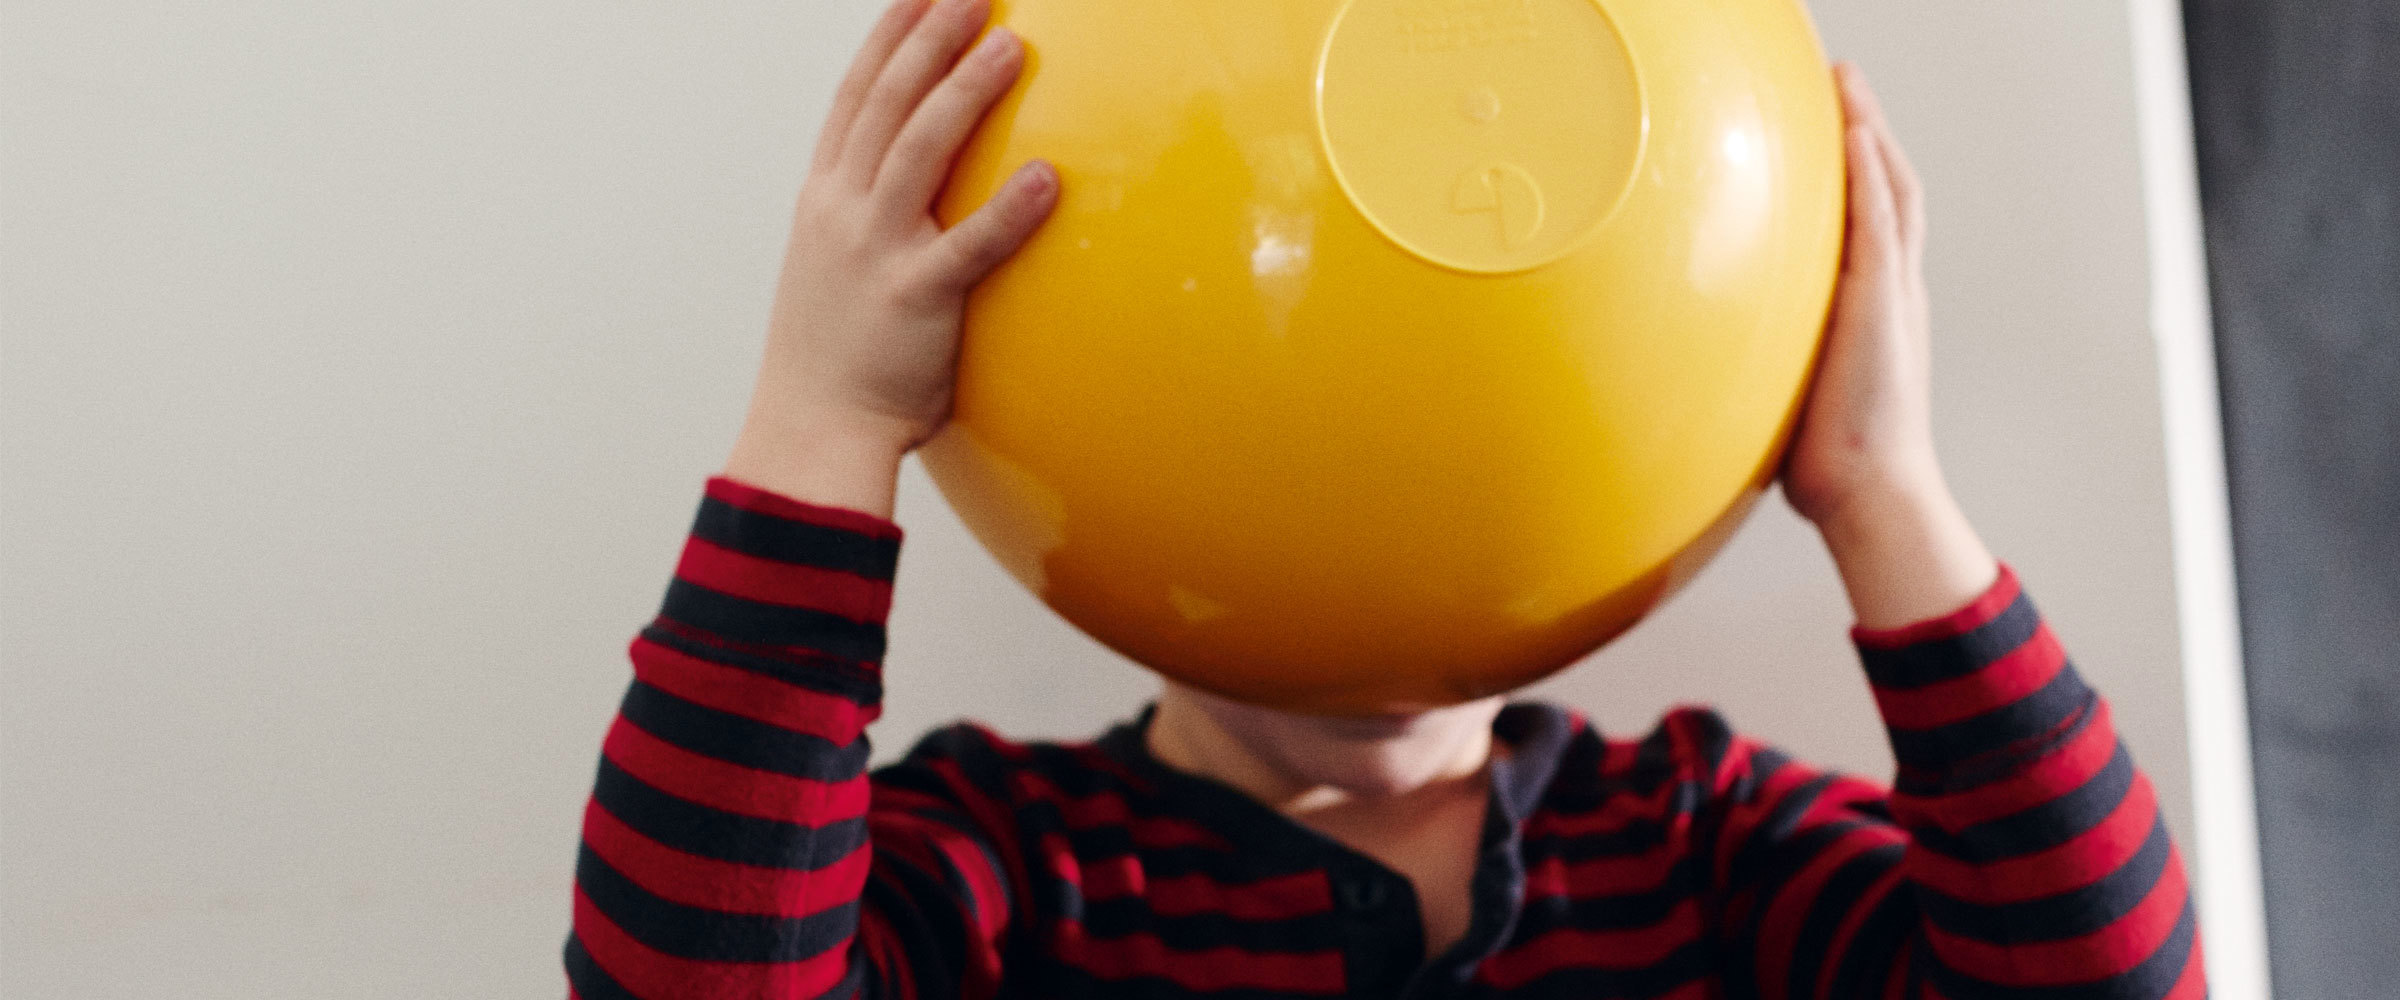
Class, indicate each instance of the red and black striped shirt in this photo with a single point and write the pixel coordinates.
(736, 845)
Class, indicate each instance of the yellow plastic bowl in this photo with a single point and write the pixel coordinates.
(1385, 354)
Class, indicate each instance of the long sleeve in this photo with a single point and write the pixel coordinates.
(733, 845)
(2019, 853)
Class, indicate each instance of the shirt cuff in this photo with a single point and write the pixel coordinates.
(1977, 613)
(750, 498)
(784, 578)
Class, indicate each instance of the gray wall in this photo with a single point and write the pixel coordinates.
(2298, 113)
(363, 361)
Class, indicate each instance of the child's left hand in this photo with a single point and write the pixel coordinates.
(1867, 429)
(1862, 465)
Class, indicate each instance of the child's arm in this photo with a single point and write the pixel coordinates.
(730, 848)
(2021, 853)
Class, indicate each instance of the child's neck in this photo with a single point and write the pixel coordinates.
(1410, 791)
(1301, 764)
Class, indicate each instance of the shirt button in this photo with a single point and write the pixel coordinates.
(1363, 894)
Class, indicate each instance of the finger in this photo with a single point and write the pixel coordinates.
(1861, 105)
(982, 241)
(913, 69)
(872, 54)
(1874, 219)
(1908, 193)
(920, 157)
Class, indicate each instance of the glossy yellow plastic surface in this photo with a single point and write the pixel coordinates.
(1384, 354)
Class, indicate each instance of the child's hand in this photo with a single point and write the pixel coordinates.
(863, 342)
(1862, 465)
(1867, 428)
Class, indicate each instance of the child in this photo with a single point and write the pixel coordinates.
(734, 846)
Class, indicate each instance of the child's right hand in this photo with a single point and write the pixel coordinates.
(862, 345)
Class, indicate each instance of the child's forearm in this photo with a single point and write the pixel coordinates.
(1906, 553)
(818, 460)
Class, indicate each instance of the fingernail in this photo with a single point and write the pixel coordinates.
(995, 42)
(1037, 175)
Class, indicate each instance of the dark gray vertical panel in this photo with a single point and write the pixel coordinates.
(2297, 106)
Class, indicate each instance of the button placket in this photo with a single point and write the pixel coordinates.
(1360, 894)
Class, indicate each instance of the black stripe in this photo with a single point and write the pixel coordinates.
(714, 833)
(1778, 863)
(1945, 659)
(758, 623)
(591, 982)
(2149, 979)
(1685, 880)
(841, 678)
(967, 832)
(1109, 919)
(929, 917)
(1968, 775)
(1770, 842)
(1836, 900)
(2041, 827)
(1686, 963)
(2066, 915)
(1634, 837)
(1877, 945)
(798, 542)
(1774, 851)
(1943, 749)
(741, 740)
(1654, 758)
(1709, 735)
(709, 935)
(1061, 980)
(1103, 844)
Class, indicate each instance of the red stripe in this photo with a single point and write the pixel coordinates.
(2109, 951)
(990, 815)
(1837, 798)
(936, 845)
(1788, 909)
(653, 973)
(1617, 757)
(1614, 815)
(1895, 981)
(990, 896)
(758, 501)
(1140, 955)
(730, 787)
(2062, 769)
(2009, 677)
(1846, 934)
(2075, 864)
(1108, 810)
(938, 848)
(881, 946)
(793, 585)
(1278, 898)
(723, 886)
(1977, 614)
(1610, 875)
(1574, 948)
(751, 695)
